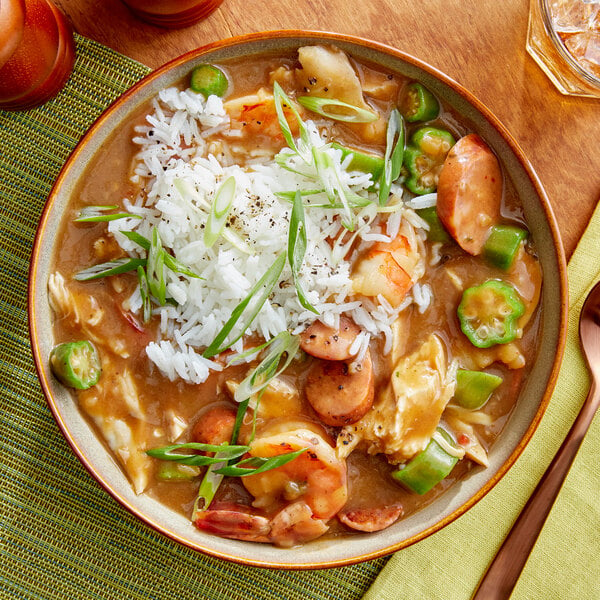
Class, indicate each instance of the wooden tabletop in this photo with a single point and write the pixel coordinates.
(479, 44)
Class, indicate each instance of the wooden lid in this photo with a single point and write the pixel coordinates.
(12, 22)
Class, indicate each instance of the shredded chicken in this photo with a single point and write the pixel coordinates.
(407, 412)
(125, 435)
(473, 447)
(328, 73)
(81, 309)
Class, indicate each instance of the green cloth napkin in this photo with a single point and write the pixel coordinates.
(62, 535)
(565, 563)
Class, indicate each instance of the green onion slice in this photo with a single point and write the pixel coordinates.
(212, 480)
(260, 377)
(188, 193)
(282, 160)
(354, 200)
(289, 195)
(219, 212)
(297, 248)
(333, 186)
(145, 294)
(352, 114)
(95, 214)
(255, 299)
(241, 357)
(208, 487)
(173, 453)
(258, 464)
(135, 237)
(170, 261)
(394, 154)
(112, 267)
(280, 99)
(155, 271)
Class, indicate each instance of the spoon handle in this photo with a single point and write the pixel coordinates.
(504, 571)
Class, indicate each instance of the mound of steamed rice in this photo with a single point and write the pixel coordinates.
(186, 151)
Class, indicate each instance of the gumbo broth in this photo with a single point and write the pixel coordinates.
(375, 389)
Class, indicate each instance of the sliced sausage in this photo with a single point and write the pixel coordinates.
(371, 519)
(469, 193)
(215, 425)
(341, 393)
(325, 342)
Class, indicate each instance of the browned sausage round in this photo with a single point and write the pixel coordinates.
(371, 519)
(339, 394)
(327, 343)
(469, 193)
(215, 425)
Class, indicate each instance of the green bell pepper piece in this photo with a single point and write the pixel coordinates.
(437, 232)
(502, 245)
(76, 364)
(361, 161)
(428, 468)
(474, 388)
(488, 313)
(209, 80)
(424, 158)
(419, 104)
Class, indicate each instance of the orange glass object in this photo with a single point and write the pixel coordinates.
(172, 13)
(37, 53)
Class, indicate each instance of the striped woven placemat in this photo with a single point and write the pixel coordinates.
(62, 535)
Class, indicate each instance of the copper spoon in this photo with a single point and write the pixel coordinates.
(504, 571)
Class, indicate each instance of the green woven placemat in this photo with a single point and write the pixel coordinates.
(62, 535)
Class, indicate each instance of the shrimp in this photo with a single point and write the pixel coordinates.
(255, 114)
(390, 269)
(292, 525)
(317, 476)
(292, 503)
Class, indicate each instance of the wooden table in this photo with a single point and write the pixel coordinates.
(479, 44)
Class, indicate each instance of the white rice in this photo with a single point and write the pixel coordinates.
(180, 167)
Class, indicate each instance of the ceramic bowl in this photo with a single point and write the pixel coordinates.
(532, 401)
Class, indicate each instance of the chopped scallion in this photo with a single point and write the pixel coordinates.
(135, 237)
(333, 186)
(155, 271)
(173, 453)
(297, 248)
(255, 299)
(349, 114)
(170, 261)
(112, 267)
(144, 294)
(282, 100)
(95, 214)
(219, 212)
(260, 377)
(208, 487)
(291, 194)
(394, 154)
(258, 464)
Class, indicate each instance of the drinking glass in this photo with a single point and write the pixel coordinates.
(564, 39)
(37, 53)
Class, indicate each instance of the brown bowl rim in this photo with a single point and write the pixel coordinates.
(492, 120)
